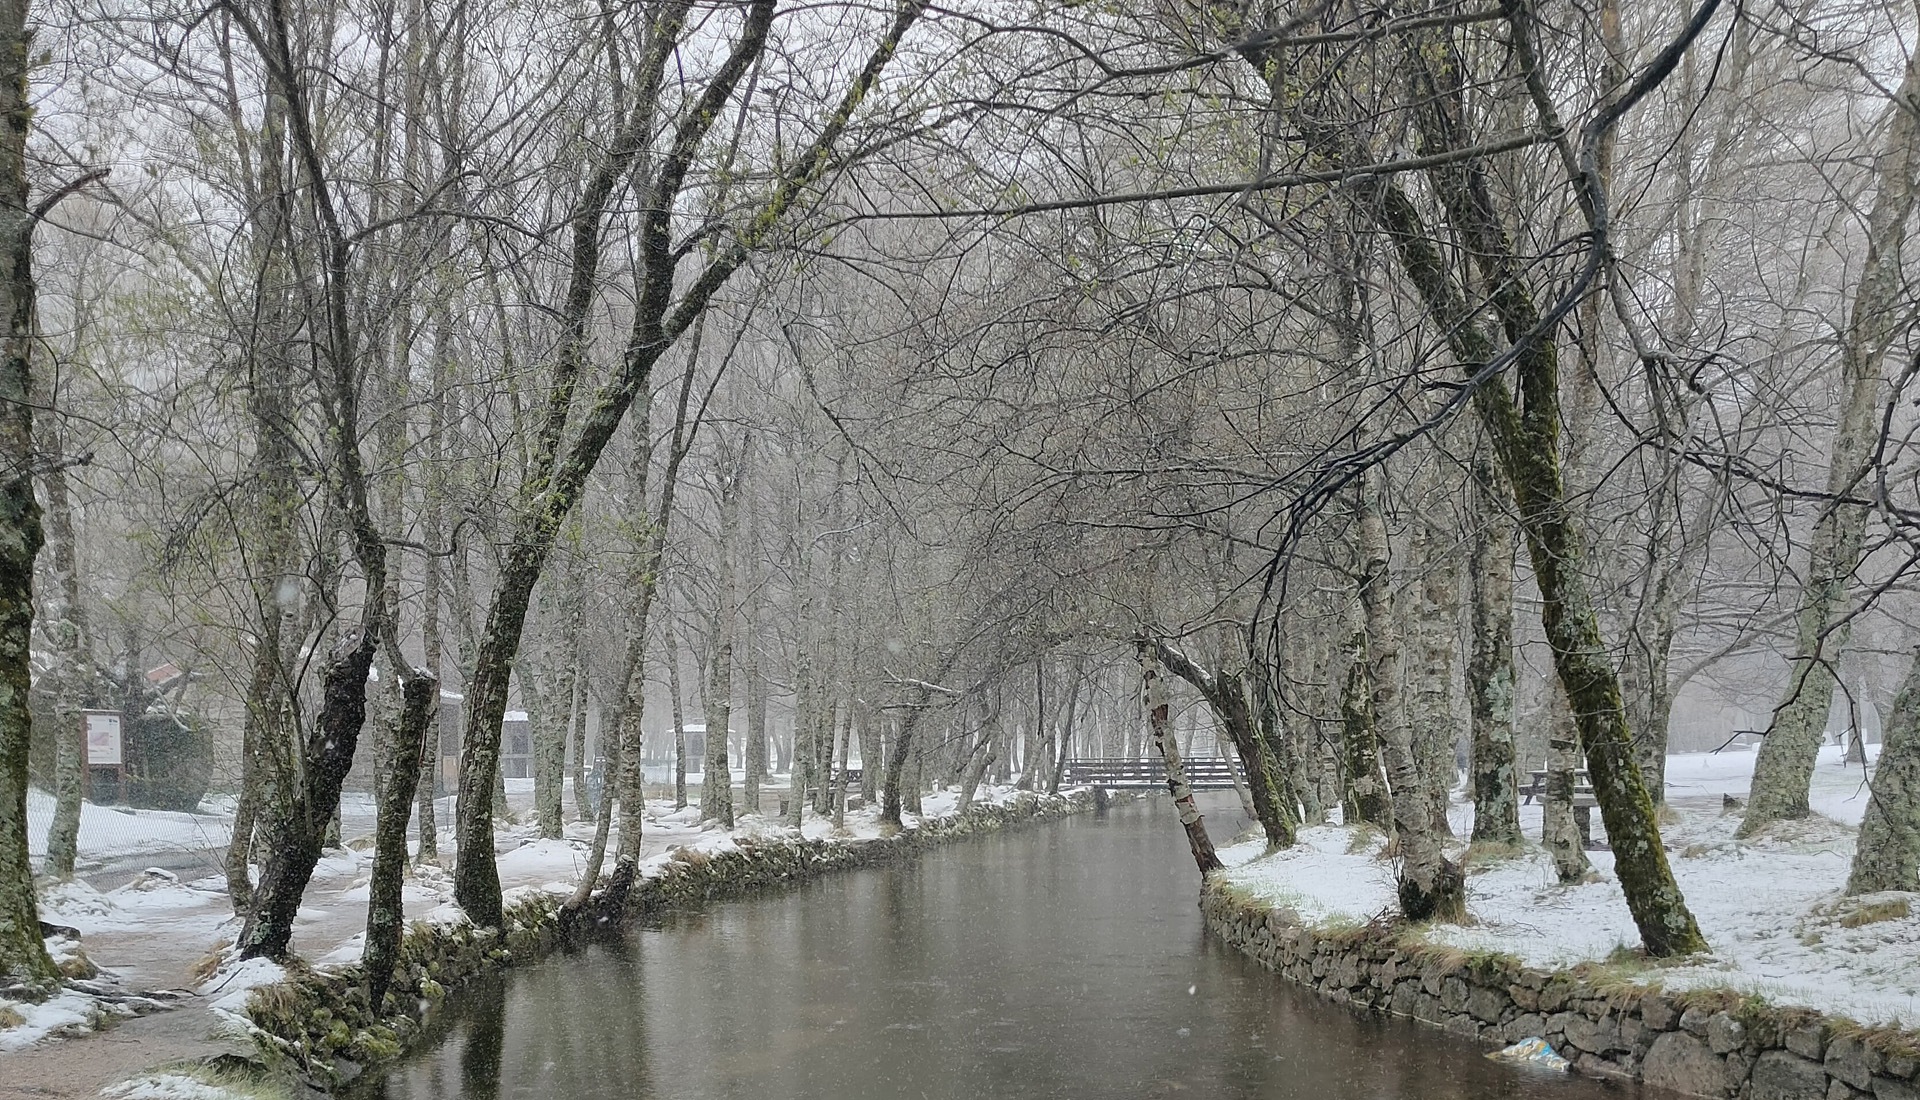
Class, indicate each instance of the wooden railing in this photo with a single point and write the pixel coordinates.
(1206, 773)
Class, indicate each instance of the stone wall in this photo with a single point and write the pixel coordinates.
(319, 1027)
(1710, 1043)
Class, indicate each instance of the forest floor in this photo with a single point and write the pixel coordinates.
(1770, 906)
(160, 934)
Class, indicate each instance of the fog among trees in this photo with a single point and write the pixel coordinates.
(875, 397)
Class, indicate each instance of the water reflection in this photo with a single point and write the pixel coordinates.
(1052, 962)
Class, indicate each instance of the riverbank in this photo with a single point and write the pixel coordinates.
(1806, 994)
(311, 1020)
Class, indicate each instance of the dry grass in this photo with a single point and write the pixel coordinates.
(1363, 836)
(207, 965)
(1875, 912)
(1485, 853)
(230, 1083)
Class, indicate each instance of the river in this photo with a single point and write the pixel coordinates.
(1058, 960)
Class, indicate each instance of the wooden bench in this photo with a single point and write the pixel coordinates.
(1582, 788)
(1584, 803)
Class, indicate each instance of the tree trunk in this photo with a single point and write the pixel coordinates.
(986, 748)
(1065, 747)
(840, 770)
(432, 640)
(756, 749)
(917, 778)
(1887, 854)
(66, 629)
(1430, 886)
(577, 728)
(1783, 770)
(23, 954)
(872, 752)
(1225, 748)
(546, 719)
(396, 780)
(272, 706)
(1227, 695)
(1431, 713)
(1559, 833)
(716, 783)
(559, 475)
(677, 701)
(1161, 733)
(1496, 786)
(1363, 789)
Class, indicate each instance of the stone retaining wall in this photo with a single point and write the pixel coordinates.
(1702, 1043)
(319, 1028)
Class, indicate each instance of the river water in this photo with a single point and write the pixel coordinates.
(1058, 960)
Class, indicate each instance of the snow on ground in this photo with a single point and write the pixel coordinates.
(68, 1013)
(110, 831)
(156, 930)
(1770, 907)
(230, 985)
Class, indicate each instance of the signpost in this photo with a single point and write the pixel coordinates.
(106, 749)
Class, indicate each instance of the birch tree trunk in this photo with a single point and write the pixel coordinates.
(1496, 785)
(1559, 833)
(1160, 732)
(1430, 886)
(1227, 694)
(755, 761)
(716, 782)
(1783, 770)
(73, 663)
(432, 636)
(1363, 795)
(1431, 709)
(1887, 854)
(677, 700)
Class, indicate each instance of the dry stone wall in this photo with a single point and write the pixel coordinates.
(1710, 1043)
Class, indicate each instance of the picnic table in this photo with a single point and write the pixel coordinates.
(1583, 802)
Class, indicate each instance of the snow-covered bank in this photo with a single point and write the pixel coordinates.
(1771, 907)
(1786, 945)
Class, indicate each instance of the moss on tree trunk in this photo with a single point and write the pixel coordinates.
(395, 781)
(23, 955)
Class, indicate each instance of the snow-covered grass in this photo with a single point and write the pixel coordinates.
(1771, 907)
